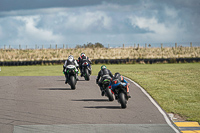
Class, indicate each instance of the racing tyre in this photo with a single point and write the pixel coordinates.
(73, 83)
(87, 76)
(122, 100)
(109, 94)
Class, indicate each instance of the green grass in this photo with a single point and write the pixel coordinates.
(174, 86)
(55, 70)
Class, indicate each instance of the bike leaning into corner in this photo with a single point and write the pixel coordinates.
(105, 87)
(120, 88)
(103, 80)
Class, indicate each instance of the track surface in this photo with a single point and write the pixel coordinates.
(45, 104)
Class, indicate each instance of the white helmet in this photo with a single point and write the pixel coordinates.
(70, 58)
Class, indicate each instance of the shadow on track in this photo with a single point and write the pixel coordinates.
(54, 89)
(60, 80)
(77, 80)
(91, 100)
(81, 80)
(103, 107)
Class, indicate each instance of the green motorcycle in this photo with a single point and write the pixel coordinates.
(105, 87)
(70, 74)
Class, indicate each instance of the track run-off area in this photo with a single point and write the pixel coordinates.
(44, 104)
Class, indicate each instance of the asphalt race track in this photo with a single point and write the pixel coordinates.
(44, 104)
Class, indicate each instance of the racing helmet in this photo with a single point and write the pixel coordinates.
(83, 54)
(117, 75)
(103, 67)
(70, 58)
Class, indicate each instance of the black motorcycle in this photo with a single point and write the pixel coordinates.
(121, 94)
(70, 74)
(105, 87)
(86, 70)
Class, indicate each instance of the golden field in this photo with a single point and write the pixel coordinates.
(98, 53)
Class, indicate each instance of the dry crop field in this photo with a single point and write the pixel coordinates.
(98, 53)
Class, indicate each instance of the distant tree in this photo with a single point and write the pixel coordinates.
(84, 46)
(98, 45)
(90, 45)
(78, 46)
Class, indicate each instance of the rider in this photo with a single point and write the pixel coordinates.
(116, 80)
(83, 58)
(70, 61)
(102, 73)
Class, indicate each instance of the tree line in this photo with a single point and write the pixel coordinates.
(90, 45)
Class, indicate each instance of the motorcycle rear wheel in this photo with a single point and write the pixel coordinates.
(122, 100)
(87, 77)
(109, 94)
(73, 82)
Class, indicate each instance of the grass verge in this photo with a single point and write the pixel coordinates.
(174, 86)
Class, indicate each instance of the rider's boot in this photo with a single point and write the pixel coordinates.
(128, 94)
(81, 72)
(102, 91)
(116, 96)
(66, 81)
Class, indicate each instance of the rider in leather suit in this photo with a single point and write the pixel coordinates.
(116, 80)
(103, 72)
(83, 58)
(70, 61)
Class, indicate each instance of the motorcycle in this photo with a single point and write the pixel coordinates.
(121, 94)
(86, 70)
(70, 74)
(105, 87)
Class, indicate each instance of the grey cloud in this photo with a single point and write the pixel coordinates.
(8, 5)
(113, 22)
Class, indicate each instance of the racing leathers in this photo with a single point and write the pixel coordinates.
(81, 60)
(103, 73)
(70, 62)
(115, 83)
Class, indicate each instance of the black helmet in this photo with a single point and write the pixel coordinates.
(117, 75)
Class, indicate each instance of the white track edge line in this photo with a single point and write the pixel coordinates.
(157, 106)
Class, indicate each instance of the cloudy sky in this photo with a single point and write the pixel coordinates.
(114, 22)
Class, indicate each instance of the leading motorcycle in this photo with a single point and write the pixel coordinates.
(70, 73)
